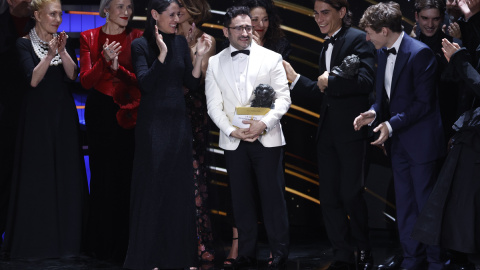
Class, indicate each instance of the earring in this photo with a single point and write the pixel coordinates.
(107, 15)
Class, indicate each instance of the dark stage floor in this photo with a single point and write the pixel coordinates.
(307, 253)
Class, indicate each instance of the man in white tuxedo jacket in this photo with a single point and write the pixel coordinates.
(231, 77)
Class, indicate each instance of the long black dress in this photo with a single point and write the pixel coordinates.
(451, 216)
(162, 221)
(49, 186)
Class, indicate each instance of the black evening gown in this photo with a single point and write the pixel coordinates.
(49, 186)
(162, 221)
(451, 216)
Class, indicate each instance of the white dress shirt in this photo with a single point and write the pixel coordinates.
(240, 68)
(328, 59)
(389, 68)
(328, 53)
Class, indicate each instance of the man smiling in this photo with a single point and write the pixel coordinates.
(340, 149)
(429, 15)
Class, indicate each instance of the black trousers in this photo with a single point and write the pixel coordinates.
(266, 163)
(341, 174)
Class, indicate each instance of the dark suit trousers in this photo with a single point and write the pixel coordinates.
(266, 164)
(413, 184)
(341, 173)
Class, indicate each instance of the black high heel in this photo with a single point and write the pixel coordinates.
(228, 263)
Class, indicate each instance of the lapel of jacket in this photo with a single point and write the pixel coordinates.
(337, 47)
(254, 64)
(226, 65)
(402, 58)
(382, 63)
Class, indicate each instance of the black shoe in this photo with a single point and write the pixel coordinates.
(365, 260)
(338, 265)
(244, 262)
(393, 264)
(228, 263)
(463, 266)
(277, 262)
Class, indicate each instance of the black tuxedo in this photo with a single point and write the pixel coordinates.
(341, 149)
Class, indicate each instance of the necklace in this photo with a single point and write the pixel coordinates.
(41, 48)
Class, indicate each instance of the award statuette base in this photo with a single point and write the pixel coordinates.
(248, 113)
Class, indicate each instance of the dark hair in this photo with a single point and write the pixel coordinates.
(274, 32)
(233, 12)
(382, 15)
(338, 4)
(199, 10)
(160, 6)
(428, 4)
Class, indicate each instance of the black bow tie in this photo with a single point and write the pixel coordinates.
(247, 52)
(330, 40)
(389, 51)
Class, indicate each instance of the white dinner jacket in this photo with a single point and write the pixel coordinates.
(264, 66)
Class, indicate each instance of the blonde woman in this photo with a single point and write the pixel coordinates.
(49, 186)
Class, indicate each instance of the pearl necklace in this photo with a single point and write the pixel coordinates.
(41, 48)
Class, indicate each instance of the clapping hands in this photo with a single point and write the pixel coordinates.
(160, 43)
(449, 48)
(256, 37)
(204, 43)
(57, 44)
(62, 41)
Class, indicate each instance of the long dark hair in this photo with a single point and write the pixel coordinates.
(160, 6)
(274, 32)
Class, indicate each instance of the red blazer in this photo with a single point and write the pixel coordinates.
(95, 72)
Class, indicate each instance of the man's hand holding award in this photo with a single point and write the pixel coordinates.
(248, 118)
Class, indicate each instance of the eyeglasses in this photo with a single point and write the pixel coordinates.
(239, 29)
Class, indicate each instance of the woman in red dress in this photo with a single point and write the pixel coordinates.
(110, 114)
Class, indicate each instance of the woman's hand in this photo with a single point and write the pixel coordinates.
(204, 43)
(449, 48)
(256, 37)
(114, 65)
(454, 30)
(473, 5)
(160, 43)
(52, 47)
(110, 51)
(192, 33)
(62, 41)
(462, 4)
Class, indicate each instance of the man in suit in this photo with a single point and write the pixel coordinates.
(429, 15)
(340, 149)
(231, 78)
(407, 109)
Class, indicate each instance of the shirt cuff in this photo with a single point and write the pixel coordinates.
(232, 129)
(374, 112)
(294, 82)
(389, 128)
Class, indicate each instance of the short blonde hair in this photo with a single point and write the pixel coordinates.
(39, 4)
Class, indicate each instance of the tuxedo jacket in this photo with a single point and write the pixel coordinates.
(264, 67)
(344, 99)
(412, 110)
